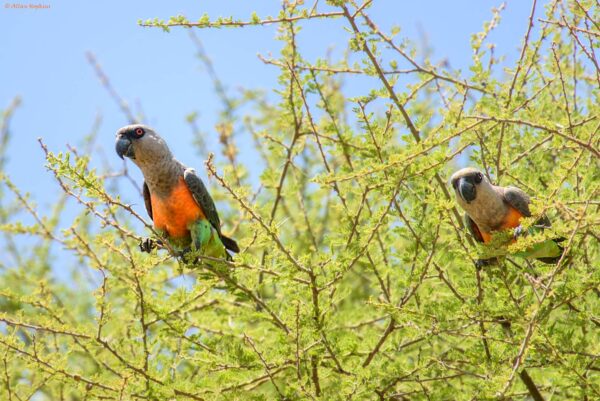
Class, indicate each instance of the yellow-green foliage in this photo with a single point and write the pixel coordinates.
(356, 278)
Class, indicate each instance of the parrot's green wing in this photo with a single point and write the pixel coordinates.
(147, 202)
(203, 199)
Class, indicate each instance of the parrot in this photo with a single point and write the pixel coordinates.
(174, 195)
(490, 208)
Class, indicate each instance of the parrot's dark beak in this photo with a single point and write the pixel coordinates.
(124, 147)
(466, 190)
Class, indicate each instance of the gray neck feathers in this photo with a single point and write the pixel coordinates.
(162, 175)
(488, 209)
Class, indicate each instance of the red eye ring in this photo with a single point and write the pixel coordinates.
(139, 131)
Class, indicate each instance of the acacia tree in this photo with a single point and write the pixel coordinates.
(356, 278)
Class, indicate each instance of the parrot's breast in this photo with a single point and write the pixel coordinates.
(512, 219)
(176, 212)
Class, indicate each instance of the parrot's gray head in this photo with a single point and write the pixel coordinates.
(141, 144)
(470, 185)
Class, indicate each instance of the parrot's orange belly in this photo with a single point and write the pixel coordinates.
(511, 220)
(176, 212)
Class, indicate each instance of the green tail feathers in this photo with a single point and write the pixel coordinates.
(209, 242)
(548, 251)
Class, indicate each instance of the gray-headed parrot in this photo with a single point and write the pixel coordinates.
(175, 197)
(490, 208)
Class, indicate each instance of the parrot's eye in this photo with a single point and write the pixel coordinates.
(139, 132)
(478, 178)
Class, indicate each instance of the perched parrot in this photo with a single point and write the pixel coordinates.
(175, 197)
(491, 208)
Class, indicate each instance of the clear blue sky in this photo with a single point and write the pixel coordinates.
(42, 59)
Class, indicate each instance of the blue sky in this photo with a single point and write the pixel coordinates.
(43, 61)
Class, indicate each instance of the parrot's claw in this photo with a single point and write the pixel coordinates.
(148, 244)
(519, 232)
(186, 256)
(183, 253)
(504, 322)
(481, 263)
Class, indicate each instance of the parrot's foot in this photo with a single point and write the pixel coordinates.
(481, 263)
(187, 256)
(148, 244)
(182, 254)
(519, 232)
(504, 322)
